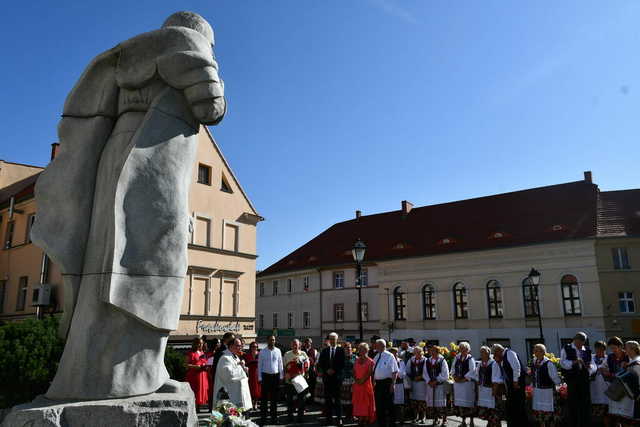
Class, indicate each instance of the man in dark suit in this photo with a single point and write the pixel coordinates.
(331, 365)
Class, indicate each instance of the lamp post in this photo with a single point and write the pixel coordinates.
(359, 248)
(534, 279)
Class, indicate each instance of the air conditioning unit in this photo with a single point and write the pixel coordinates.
(41, 295)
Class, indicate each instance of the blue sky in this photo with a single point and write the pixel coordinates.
(342, 105)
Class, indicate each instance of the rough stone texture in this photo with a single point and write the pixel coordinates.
(157, 409)
(113, 205)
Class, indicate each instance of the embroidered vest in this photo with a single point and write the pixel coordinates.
(614, 365)
(434, 369)
(485, 374)
(416, 369)
(541, 377)
(462, 367)
(508, 370)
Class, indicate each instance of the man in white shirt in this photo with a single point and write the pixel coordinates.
(385, 372)
(270, 373)
(577, 366)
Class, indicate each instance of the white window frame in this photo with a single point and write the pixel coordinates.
(306, 285)
(274, 288)
(627, 298)
(338, 308)
(290, 320)
(337, 274)
(306, 320)
(621, 255)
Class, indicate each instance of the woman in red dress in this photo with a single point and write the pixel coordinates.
(197, 374)
(251, 362)
(362, 399)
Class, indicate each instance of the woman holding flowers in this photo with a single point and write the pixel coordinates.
(197, 375)
(464, 388)
(545, 378)
(436, 372)
(487, 373)
(296, 365)
(362, 398)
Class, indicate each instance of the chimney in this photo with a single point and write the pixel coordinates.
(358, 214)
(587, 177)
(55, 148)
(406, 207)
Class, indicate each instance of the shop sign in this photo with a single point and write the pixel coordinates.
(216, 327)
(277, 332)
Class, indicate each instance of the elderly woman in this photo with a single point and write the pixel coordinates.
(617, 362)
(436, 372)
(347, 377)
(464, 387)
(414, 371)
(362, 398)
(486, 374)
(629, 413)
(296, 364)
(544, 380)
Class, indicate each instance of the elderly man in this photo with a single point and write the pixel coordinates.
(308, 348)
(513, 375)
(231, 378)
(331, 366)
(385, 372)
(577, 366)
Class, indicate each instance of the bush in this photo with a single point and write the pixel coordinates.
(29, 354)
(174, 360)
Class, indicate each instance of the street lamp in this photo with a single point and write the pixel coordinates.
(359, 248)
(534, 279)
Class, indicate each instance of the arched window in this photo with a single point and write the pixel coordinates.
(530, 298)
(570, 295)
(428, 303)
(399, 304)
(494, 298)
(460, 300)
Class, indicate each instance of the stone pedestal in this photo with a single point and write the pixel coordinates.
(170, 409)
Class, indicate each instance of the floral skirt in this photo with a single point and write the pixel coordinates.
(491, 415)
(345, 391)
(463, 411)
(419, 405)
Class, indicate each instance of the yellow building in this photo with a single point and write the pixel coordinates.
(220, 285)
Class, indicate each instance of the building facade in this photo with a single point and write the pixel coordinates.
(458, 271)
(220, 283)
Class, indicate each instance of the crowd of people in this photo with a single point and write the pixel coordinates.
(385, 385)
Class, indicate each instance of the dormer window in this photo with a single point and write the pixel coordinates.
(224, 185)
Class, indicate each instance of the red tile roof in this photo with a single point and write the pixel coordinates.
(619, 213)
(539, 215)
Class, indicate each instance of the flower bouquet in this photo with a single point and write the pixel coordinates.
(226, 414)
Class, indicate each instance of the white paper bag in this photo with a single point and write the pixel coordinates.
(299, 383)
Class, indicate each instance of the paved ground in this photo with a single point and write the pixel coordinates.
(313, 418)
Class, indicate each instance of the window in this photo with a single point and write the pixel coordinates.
(261, 289)
(260, 321)
(306, 320)
(399, 304)
(625, 300)
(22, 293)
(305, 283)
(530, 298)
(229, 296)
(338, 279)
(505, 342)
(530, 343)
(338, 312)
(364, 277)
(620, 259)
(224, 185)
(365, 311)
(275, 320)
(460, 301)
(289, 286)
(428, 303)
(494, 298)
(230, 237)
(570, 295)
(3, 286)
(202, 232)
(275, 288)
(8, 238)
(30, 220)
(204, 174)
(290, 320)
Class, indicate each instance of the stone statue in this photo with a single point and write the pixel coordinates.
(113, 205)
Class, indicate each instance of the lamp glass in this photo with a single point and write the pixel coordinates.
(534, 276)
(359, 248)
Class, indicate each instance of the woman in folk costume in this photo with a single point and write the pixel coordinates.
(414, 372)
(545, 378)
(598, 385)
(464, 387)
(487, 373)
(617, 362)
(197, 375)
(629, 413)
(398, 388)
(436, 372)
(347, 379)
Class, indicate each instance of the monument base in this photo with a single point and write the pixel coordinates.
(157, 409)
